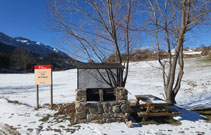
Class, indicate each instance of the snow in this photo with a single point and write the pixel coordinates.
(18, 40)
(38, 43)
(22, 40)
(144, 78)
(152, 100)
(188, 52)
(55, 50)
(192, 52)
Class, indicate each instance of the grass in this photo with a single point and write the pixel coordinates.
(46, 118)
(206, 59)
(64, 112)
(205, 112)
(59, 118)
(56, 118)
(72, 130)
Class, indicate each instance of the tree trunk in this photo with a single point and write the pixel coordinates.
(172, 87)
(170, 96)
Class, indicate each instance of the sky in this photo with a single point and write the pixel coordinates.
(27, 18)
(31, 19)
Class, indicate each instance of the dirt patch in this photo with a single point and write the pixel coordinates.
(15, 102)
(66, 109)
(8, 130)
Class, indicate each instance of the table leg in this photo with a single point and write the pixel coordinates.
(137, 102)
(147, 111)
(144, 119)
(166, 108)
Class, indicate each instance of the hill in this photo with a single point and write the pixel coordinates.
(32, 46)
(21, 54)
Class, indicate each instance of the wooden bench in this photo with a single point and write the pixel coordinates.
(149, 103)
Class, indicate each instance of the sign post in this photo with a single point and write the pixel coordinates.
(43, 76)
(37, 96)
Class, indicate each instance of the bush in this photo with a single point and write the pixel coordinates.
(206, 51)
(139, 55)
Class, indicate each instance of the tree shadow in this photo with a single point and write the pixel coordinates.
(202, 102)
(186, 114)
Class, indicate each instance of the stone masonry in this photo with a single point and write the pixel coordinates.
(102, 112)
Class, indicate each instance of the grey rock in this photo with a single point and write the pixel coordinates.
(130, 124)
(124, 108)
(116, 109)
(100, 108)
(81, 115)
(93, 108)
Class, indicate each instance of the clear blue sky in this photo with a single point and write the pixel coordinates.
(30, 19)
(27, 18)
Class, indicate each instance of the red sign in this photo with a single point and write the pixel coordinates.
(42, 67)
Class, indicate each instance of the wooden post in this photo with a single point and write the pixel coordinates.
(37, 96)
(101, 95)
(51, 90)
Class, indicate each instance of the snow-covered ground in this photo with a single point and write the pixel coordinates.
(189, 52)
(144, 78)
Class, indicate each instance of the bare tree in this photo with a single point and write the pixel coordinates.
(21, 57)
(172, 20)
(96, 28)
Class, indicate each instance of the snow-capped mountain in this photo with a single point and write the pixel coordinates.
(32, 46)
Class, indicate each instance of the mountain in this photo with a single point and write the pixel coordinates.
(20, 55)
(8, 49)
(32, 46)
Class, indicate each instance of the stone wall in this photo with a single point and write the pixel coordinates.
(102, 112)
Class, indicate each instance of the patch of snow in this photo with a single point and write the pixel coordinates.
(188, 52)
(55, 50)
(38, 43)
(23, 41)
(191, 52)
(18, 40)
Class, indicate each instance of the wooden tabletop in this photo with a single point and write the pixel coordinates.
(150, 99)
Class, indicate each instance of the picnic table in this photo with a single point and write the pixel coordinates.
(152, 106)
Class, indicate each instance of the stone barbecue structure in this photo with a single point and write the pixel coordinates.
(102, 111)
(96, 99)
